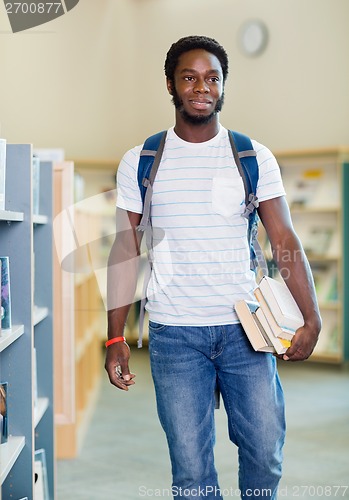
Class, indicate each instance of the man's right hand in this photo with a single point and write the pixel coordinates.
(116, 365)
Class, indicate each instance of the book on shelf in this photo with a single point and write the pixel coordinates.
(0, 305)
(318, 240)
(5, 294)
(3, 413)
(40, 475)
(332, 291)
(305, 187)
(281, 304)
(55, 155)
(35, 379)
(36, 184)
(2, 173)
(333, 340)
(325, 277)
(329, 342)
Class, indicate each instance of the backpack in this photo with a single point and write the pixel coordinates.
(246, 161)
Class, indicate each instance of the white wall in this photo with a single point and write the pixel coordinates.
(92, 81)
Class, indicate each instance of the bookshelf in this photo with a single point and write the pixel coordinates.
(79, 313)
(64, 347)
(26, 351)
(315, 183)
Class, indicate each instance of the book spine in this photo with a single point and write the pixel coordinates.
(280, 345)
(5, 294)
(3, 413)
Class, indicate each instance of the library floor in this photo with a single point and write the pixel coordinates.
(124, 455)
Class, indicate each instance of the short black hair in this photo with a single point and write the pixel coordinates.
(191, 43)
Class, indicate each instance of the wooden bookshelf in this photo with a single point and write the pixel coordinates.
(315, 183)
(78, 305)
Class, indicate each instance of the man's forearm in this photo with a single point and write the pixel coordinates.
(295, 270)
(122, 282)
(116, 321)
(122, 273)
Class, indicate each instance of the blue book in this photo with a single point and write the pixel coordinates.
(6, 322)
(3, 413)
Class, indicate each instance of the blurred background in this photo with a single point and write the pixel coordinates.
(92, 81)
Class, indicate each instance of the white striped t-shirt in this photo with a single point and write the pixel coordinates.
(201, 254)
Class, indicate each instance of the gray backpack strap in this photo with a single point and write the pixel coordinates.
(262, 263)
(142, 306)
(147, 275)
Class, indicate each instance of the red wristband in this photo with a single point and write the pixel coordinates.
(114, 340)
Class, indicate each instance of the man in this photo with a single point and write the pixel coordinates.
(195, 339)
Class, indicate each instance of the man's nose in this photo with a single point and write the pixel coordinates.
(201, 86)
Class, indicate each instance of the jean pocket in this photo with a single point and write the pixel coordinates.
(156, 327)
(227, 196)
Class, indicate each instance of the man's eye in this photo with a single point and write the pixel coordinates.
(214, 79)
(189, 78)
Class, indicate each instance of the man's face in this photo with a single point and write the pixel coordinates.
(197, 92)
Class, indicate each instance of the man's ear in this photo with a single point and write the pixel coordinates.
(169, 86)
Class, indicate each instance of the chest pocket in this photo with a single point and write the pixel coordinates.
(227, 196)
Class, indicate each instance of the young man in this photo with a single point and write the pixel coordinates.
(195, 339)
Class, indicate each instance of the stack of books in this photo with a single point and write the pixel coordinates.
(272, 319)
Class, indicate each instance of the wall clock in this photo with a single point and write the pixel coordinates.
(253, 37)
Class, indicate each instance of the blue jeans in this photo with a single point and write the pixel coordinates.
(187, 363)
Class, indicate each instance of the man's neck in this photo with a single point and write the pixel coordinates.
(196, 133)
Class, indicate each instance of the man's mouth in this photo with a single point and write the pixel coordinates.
(200, 103)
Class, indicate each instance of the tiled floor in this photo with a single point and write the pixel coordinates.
(124, 456)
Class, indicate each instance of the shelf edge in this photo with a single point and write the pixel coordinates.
(10, 216)
(7, 337)
(9, 452)
(40, 409)
(40, 219)
(40, 313)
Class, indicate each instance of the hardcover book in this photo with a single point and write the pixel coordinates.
(284, 333)
(281, 303)
(246, 311)
(257, 328)
(5, 294)
(3, 413)
(40, 480)
(280, 345)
